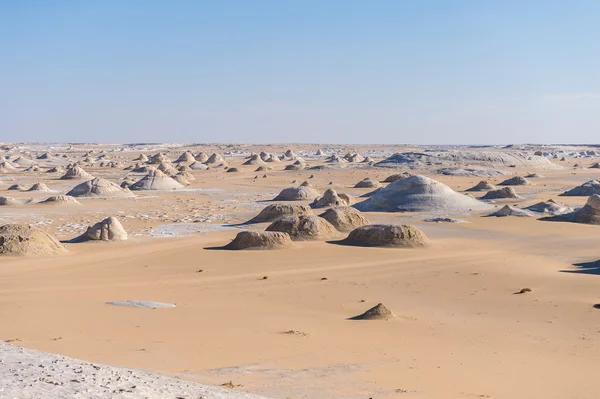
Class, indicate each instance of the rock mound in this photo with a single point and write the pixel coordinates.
(335, 159)
(76, 173)
(278, 211)
(585, 190)
(550, 207)
(305, 228)
(590, 213)
(304, 192)
(137, 168)
(345, 218)
(354, 158)
(290, 154)
(367, 183)
(515, 181)
(400, 176)
(330, 198)
(39, 187)
(201, 157)
(447, 158)
(22, 161)
(442, 219)
(56, 169)
(159, 158)
(419, 194)
(61, 199)
(7, 166)
(9, 201)
(156, 180)
(378, 312)
(482, 186)
(99, 187)
(179, 178)
(215, 159)
(167, 168)
(186, 157)
(509, 210)
(506, 192)
(386, 235)
(186, 175)
(255, 159)
(16, 239)
(471, 172)
(110, 229)
(198, 166)
(259, 240)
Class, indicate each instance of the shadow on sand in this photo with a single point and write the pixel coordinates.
(221, 248)
(586, 268)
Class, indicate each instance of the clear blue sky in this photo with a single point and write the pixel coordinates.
(328, 71)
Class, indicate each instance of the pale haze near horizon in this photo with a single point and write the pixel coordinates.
(419, 72)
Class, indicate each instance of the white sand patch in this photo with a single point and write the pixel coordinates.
(142, 304)
(183, 229)
(26, 373)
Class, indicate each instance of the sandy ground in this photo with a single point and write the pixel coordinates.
(461, 330)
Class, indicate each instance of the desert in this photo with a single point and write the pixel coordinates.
(240, 284)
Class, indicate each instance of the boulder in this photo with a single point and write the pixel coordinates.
(505, 192)
(367, 183)
(259, 240)
(99, 187)
(482, 186)
(110, 229)
(22, 240)
(585, 190)
(393, 178)
(590, 213)
(61, 200)
(509, 210)
(330, 198)
(515, 181)
(156, 180)
(304, 192)
(378, 312)
(550, 207)
(386, 235)
(345, 218)
(278, 211)
(305, 228)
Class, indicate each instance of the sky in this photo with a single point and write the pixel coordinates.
(315, 71)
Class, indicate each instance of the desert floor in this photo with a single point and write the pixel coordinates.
(276, 322)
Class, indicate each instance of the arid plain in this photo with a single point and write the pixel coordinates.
(276, 322)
